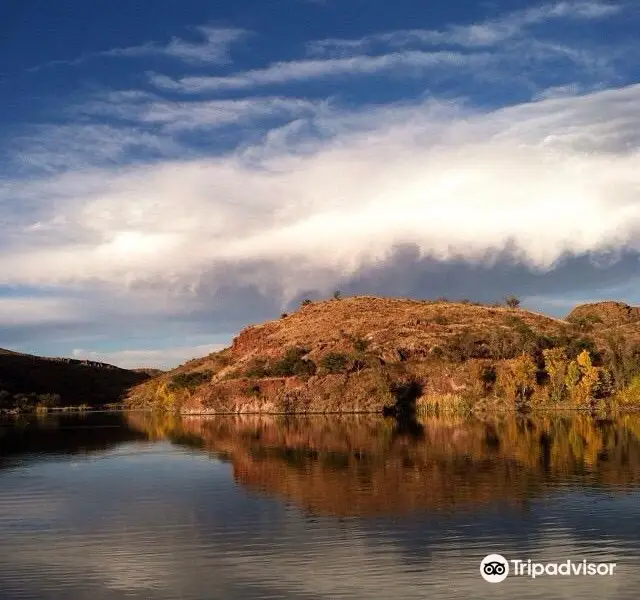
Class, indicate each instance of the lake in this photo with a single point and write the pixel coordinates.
(142, 505)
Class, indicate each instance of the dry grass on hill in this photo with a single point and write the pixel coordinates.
(361, 353)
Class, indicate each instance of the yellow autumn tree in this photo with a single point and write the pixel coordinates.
(519, 379)
(555, 364)
(581, 379)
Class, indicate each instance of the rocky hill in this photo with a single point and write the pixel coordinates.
(27, 382)
(605, 314)
(379, 354)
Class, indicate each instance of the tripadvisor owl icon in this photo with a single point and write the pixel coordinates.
(494, 568)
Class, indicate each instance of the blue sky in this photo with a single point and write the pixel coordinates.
(171, 172)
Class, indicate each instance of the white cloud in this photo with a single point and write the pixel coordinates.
(74, 145)
(143, 206)
(486, 33)
(27, 311)
(303, 70)
(502, 48)
(147, 126)
(217, 113)
(214, 48)
(165, 358)
(552, 176)
(173, 116)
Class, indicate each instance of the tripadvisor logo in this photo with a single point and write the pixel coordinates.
(494, 568)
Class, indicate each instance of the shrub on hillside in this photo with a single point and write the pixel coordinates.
(488, 375)
(519, 325)
(466, 345)
(189, 380)
(503, 344)
(575, 346)
(622, 359)
(630, 394)
(437, 352)
(581, 324)
(48, 400)
(605, 385)
(293, 363)
(512, 301)
(257, 368)
(586, 323)
(360, 344)
(253, 389)
(335, 362)
(304, 368)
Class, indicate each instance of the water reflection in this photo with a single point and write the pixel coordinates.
(163, 507)
(362, 465)
(40, 436)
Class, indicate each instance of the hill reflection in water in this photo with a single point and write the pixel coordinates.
(365, 465)
(37, 437)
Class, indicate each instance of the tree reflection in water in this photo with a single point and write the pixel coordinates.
(364, 465)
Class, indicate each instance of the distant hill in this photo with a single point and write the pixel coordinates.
(27, 381)
(148, 371)
(606, 314)
(381, 354)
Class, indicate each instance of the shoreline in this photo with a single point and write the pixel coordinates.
(203, 413)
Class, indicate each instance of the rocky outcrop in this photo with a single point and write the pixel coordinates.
(605, 314)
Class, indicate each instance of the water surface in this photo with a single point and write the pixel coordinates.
(140, 505)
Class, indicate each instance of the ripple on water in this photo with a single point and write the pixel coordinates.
(258, 507)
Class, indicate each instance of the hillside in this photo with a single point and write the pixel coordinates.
(28, 381)
(379, 354)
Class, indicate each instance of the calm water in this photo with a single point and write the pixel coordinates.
(135, 505)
